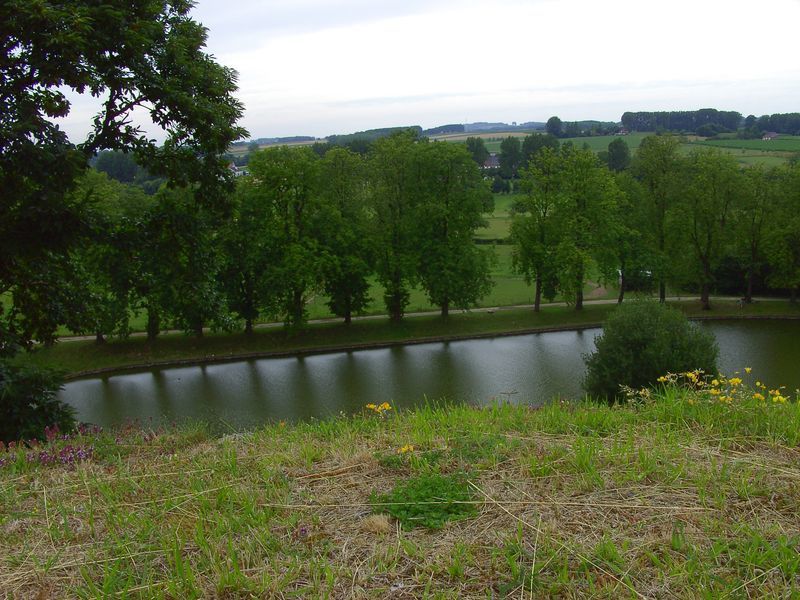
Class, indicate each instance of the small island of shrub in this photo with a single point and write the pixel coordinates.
(640, 342)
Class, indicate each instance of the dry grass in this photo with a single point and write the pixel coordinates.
(583, 501)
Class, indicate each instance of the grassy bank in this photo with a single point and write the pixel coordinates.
(682, 495)
(81, 356)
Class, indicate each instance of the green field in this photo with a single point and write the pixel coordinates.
(784, 143)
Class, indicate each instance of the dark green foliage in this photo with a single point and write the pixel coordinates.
(452, 270)
(682, 120)
(641, 341)
(146, 55)
(510, 157)
(554, 126)
(28, 403)
(534, 142)
(477, 148)
(619, 155)
(428, 500)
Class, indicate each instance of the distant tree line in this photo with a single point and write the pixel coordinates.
(683, 120)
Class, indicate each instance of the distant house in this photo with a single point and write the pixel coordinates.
(237, 171)
(769, 135)
(622, 131)
(493, 162)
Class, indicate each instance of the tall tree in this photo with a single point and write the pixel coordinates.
(586, 224)
(657, 166)
(452, 269)
(758, 202)
(135, 55)
(619, 155)
(343, 227)
(510, 157)
(533, 230)
(704, 213)
(782, 244)
(180, 263)
(554, 127)
(251, 255)
(633, 237)
(288, 180)
(477, 148)
(395, 177)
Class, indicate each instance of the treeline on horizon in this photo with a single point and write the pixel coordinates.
(706, 122)
(710, 122)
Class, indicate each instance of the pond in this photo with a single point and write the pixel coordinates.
(523, 369)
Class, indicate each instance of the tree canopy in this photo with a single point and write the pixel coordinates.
(145, 54)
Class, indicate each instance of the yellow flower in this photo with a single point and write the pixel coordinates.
(406, 448)
(747, 370)
(371, 406)
(758, 396)
(715, 382)
(734, 381)
(385, 406)
(662, 379)
(714, 392)
(758, 384)
(726, 399)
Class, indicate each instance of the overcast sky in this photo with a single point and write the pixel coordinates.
(317, 67)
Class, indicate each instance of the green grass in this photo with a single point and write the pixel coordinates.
(77, 357)
(784, 143)
(678, 496)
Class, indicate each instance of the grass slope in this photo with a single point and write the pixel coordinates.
(679, 496)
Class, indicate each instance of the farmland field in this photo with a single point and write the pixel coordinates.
(785, 143)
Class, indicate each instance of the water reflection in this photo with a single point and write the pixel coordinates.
(527, 369)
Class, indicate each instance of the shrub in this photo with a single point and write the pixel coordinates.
(28, 403)
(641, 341)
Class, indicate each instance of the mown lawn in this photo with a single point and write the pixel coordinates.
(680, 495)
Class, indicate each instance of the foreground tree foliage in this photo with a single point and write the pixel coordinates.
(145, 55)
(641, 341)
(130, 54)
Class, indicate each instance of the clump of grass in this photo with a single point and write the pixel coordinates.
(428, 500)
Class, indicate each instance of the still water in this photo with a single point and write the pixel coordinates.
(521, 369)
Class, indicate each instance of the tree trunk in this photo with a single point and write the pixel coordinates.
(153, 324)
(579, 300)
(197, 329)
(621, 286)
(704, 296)
(248, 326)
(99, 338)
(748, 295)
(348, 312)
(445, 308)
(297, 307)
(662, 291)
(537, 299)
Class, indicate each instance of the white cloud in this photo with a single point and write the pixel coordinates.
(316, 67)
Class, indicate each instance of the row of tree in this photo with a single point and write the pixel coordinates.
(669, 219)
(298, 226)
